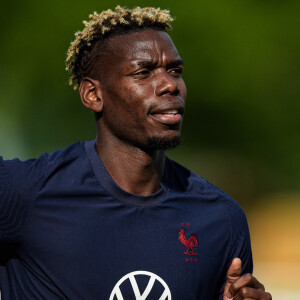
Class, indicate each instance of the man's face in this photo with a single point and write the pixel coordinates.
(142, 90)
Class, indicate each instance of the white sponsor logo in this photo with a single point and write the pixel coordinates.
(116, 292)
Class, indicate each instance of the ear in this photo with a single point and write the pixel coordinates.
(90, 93)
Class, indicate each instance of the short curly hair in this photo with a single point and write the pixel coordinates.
(107, 24)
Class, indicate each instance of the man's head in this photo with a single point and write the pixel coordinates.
(129, 73)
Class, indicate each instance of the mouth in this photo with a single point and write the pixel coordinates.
(167, 115)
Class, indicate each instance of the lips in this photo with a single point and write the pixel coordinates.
(168, 114)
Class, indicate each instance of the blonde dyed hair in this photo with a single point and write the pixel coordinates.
(101, 26)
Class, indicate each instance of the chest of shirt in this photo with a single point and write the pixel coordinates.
(94, 243)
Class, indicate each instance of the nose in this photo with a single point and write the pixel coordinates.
(167, 84)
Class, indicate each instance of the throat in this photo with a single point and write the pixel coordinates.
(134, 170)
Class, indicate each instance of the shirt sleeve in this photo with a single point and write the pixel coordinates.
(19, 182)
(240, 244)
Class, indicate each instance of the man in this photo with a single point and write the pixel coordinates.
(114, 218)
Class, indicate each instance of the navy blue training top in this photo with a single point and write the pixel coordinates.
(68, 231)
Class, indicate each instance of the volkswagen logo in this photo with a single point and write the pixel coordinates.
(131, 278)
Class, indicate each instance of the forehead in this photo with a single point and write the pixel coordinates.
(145, 45)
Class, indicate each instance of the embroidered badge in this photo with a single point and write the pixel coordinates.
(190, 243)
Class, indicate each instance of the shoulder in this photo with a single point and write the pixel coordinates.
(30, 172)
(46, 159)
(72, 151)
(20, 182)
(218, 206)
(191, 183)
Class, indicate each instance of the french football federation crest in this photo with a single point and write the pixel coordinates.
(190, 243)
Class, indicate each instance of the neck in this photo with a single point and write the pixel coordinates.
(133, 169)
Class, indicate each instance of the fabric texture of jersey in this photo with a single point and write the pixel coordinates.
(67, 231)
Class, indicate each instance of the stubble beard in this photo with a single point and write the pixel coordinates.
(163, 143)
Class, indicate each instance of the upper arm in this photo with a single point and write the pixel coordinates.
(18, 182)
(240, 243)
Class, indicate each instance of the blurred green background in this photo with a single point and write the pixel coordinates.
(242, 70)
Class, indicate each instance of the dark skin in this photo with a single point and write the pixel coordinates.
(140, 94)
(142, 78)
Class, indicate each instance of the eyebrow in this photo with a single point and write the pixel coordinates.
(146, 63)
(177, 62)
(151, 63)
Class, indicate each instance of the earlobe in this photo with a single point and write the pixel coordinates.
(90, 94)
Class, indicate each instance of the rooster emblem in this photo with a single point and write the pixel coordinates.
(191, 243)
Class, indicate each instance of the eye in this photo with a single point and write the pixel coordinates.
(176, 72)
(142, 73)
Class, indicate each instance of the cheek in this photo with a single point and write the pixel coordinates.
(137, 99)
(139, 91)
(128, 104)
(131, 109)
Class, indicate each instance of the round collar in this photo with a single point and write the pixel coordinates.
(117, 192)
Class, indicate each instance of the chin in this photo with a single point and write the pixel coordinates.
(163, 143)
